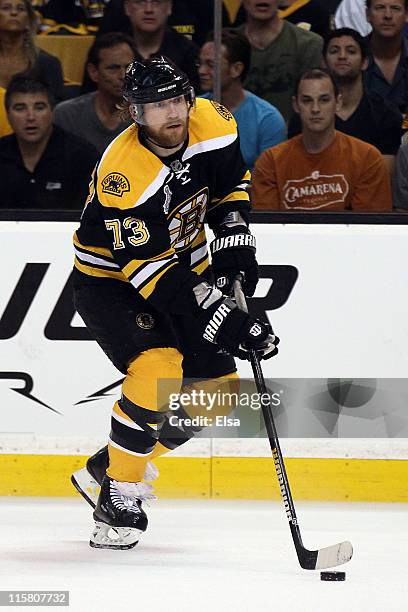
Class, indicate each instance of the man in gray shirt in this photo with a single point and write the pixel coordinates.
(281, 52)
(94, 116)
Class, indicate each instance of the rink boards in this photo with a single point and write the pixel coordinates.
(335, 294)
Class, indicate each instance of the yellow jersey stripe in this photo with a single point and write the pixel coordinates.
(148, 289)
(199, 269)
(236, 196)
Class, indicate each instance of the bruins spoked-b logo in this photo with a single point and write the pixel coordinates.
(186, 221)
(116, 184)
(145, 320)
(224, 112)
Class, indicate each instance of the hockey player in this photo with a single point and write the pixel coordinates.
(143, 285)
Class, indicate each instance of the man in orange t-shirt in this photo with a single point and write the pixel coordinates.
(321, 169)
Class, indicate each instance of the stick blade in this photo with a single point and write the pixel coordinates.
(334, 555)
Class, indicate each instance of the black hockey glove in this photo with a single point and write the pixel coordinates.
(237, 331)
(233, 253)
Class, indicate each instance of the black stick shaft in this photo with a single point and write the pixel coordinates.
(272, 433)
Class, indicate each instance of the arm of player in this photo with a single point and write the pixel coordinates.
(142, 249)
(234, 247)
(140, 244)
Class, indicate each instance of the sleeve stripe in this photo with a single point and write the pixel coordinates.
(147, 290)
(85, 257)
(150, 270)
(237, 197)
(99, 272)
(199, 268)
(198, 254)
(92, 249)
(236, 191)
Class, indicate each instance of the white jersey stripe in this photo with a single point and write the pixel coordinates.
(209, 145)
(85, 257)
(125, 450)
(131, 424)
(198, 254)
(154, 186)
(150, 270)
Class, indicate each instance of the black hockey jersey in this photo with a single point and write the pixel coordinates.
(143, 221)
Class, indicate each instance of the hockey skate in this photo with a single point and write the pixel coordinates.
(119, 517)
(87, 480)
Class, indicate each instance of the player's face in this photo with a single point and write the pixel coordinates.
(166, 122)
(109, 74)
(206, 67)
(387, 17)
(13, 16)
(30, 116)
(148, 15)
(261, 10)
(317, 105)
(344, 59)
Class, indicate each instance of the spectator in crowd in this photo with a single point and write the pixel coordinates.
(321, 169)
(280, 53)
(310, 15)
(400, 180)
(387, 71)
(260, 124)
(363, 115)
(18, 52)
(72, 16)
(94, 116)
(352, 14)
(42, 166)
(193, 18)
(147, 21)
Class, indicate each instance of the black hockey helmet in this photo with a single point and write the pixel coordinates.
(155, 79)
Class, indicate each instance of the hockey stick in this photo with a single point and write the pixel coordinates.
(308, 559)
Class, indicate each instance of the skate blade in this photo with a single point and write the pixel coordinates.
(86, 485)
(114, 538)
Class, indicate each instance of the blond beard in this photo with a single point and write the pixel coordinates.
(163, 139)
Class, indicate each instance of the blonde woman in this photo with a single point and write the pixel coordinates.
(18, 52)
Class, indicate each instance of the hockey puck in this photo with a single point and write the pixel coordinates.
(333, 576)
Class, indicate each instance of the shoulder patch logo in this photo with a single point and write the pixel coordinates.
(224, 112)
(116, 184)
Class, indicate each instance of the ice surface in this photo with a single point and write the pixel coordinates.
(207, 555)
